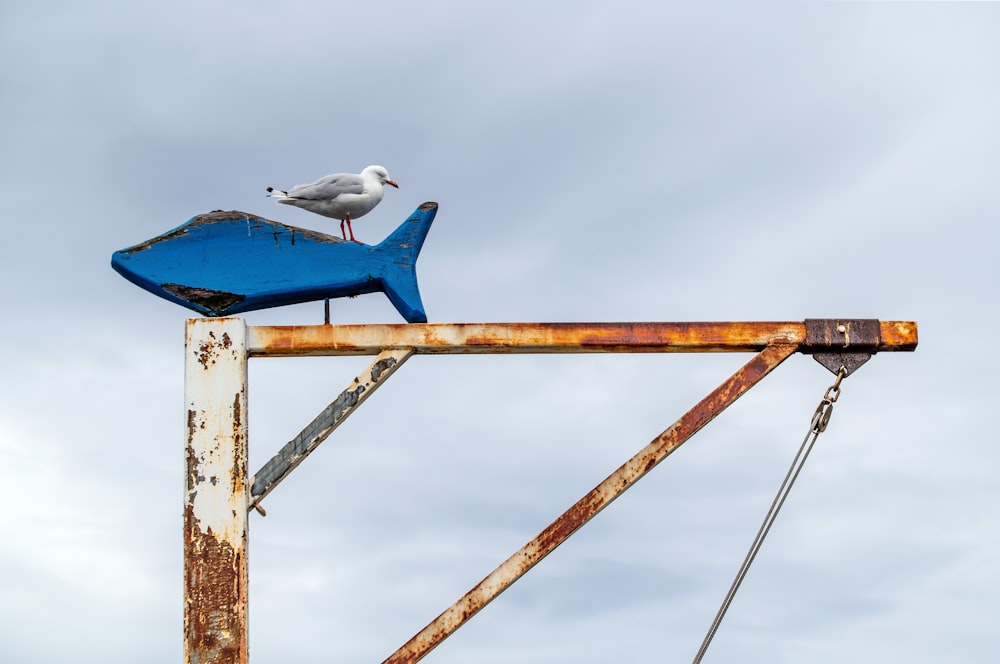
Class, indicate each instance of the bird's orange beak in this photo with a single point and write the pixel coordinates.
(392, 183)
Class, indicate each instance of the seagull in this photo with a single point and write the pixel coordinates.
(343, 196)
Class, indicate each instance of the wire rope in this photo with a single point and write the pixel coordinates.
(819, 422)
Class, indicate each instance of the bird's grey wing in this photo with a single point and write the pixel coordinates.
(329, 187)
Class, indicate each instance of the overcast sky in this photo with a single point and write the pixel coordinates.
(593, 161)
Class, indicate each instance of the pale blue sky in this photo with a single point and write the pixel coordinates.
(592, 161)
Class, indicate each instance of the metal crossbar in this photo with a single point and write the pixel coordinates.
(480, 338)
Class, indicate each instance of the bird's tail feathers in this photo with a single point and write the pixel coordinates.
(276, 193)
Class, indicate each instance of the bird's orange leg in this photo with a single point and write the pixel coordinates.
(347, 218)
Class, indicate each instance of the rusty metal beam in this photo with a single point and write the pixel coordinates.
(296, 450)
(215, 496)
(477, 338)
(218, 495)
(587, 507)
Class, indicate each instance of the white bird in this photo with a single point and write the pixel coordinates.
(343, 196)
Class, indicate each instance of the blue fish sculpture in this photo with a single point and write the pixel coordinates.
(225, 263)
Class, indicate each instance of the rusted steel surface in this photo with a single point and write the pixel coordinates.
(297, 449)
(215, 495)
(855, 340)
(898, 335)
(218, 494)
(521, 338)
(864, 334)
(592, 503)
(471, 338)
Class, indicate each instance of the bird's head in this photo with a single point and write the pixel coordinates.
(380, 174)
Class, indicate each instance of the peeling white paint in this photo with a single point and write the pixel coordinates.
(216, 490)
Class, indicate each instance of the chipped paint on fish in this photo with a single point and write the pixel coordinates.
(206, 297)
(216, 493)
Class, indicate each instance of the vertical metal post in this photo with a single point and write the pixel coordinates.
(216, 492)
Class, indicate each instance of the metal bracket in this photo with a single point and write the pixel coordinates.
(859, 338)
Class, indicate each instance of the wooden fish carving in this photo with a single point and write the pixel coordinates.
(224, 263)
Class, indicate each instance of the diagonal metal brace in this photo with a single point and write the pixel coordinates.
(297, 449)
(587, 507)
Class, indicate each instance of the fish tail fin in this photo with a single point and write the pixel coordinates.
(400, 249)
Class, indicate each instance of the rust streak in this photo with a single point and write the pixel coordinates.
(214, 580)
(205, 355)
(432, 338)
(898, 335)
(521, 338)
(215, 527)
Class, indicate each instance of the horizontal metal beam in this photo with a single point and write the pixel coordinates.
(484, 338)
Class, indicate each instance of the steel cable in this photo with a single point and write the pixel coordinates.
(819, 421)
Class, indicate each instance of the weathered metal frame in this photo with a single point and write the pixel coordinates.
(220, 493)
